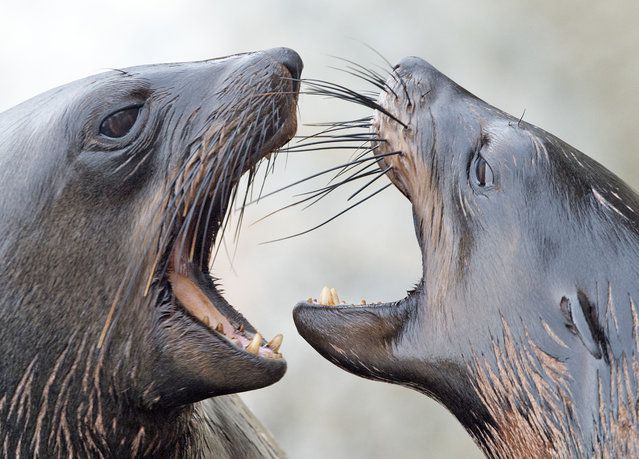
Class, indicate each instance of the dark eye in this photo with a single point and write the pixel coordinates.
(119, 124)
(483, 172)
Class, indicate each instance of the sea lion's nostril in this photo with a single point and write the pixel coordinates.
(289, 59)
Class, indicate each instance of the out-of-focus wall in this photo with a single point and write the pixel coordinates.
(573, 66)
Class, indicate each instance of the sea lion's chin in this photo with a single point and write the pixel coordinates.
(364, 339)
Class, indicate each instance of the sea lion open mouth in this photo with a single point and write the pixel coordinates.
(114, 197)
(202, 204)
(259, 118)
(524, 324)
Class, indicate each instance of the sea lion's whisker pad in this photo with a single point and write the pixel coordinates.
(524, 324)
(115, 196)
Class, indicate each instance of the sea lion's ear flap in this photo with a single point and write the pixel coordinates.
(581, 320)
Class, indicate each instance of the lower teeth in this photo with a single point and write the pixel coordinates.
(329, 297)
(254, 346)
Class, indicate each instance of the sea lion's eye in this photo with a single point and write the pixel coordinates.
(119, 124)
(483, 172)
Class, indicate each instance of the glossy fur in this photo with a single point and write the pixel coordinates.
(525, 323)
(98, 360)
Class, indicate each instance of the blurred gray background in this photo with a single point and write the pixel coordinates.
(573, 66)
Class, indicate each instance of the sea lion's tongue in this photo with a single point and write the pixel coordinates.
(189, 294)
(191, 297)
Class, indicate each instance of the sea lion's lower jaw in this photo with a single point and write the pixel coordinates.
(363, 338)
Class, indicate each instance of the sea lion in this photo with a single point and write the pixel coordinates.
(113, 190)
(525, 322)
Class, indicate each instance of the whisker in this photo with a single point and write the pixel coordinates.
(339, 128)
(380, 173)
(338, 184)
(329, 190)
(359, 68)
(326, 88)
(345, 137)
(357, 157)
(357, 74)
(334, 140)
(330, 219)
(326, 171)
(288, 206)
(336, 123)
(323, 192)
(327, 148)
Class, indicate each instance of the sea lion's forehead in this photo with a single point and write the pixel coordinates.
(153, 76)
(180, 65)
(168, 73)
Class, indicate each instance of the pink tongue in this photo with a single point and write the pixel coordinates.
(196, 302)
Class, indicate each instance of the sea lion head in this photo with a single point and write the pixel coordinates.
(113, 191)
(529, 252)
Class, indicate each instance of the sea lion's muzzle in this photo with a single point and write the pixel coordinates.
(376, 340)
(253, 114)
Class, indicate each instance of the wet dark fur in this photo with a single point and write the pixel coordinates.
(525, 323)
(98, 361)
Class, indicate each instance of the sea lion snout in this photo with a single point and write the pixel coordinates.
(419, 70)
(289, 59)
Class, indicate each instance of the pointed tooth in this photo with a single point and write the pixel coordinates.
(219, 328)
(276, 342)
(240, 328)
(254, 345)
(334, 297)
(206, 321)
(362, 301)
(325, 297)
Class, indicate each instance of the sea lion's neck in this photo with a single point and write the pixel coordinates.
(62, 403)
(544, 399)
(78, 415)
